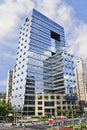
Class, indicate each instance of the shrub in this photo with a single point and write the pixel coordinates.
(69, 126)
(83, 125)
(35, 116)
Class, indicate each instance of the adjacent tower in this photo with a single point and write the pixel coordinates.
(81, 80)
(9, 86)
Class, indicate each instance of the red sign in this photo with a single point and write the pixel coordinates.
(50, 121)
(62, 118)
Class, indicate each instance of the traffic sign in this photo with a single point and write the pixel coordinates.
(50, 121)
(62, 118)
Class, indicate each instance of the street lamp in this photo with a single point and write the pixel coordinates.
(73, 119)
(14, 112)
(21, 113)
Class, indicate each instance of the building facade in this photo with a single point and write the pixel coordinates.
(2, 96)
(42, 64)
(81, 80)
(60, 73)
(49, 104)
(9, 86)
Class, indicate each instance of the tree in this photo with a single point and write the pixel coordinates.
(79, 112)
(4, 110)
(59, 112)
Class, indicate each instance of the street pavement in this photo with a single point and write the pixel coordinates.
(30, 126)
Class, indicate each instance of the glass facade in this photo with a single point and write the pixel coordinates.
(42, 66)
(60, 70)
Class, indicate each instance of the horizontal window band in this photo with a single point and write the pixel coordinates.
(58, 26)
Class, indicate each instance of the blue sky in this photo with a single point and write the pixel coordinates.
(71, 14)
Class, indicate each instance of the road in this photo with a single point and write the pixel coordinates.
(30, 126)
(36, 126)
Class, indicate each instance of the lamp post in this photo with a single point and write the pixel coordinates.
(73, 119)
(14, 111)
(21, 113)
(14, 116)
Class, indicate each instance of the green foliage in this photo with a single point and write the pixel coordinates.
(79, 112)
(35, 116)
(68, 113)
(4, 110)
(44, 117)
(76, 126)
(68, 126)
(83, 125)
(59, 112)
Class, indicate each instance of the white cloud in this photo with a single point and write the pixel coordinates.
(48, 7)
(10, 11)
(10, 17)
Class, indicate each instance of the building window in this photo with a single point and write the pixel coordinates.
(39, 113)
(68, 102)
(58, 102)
(64, 108)
(39, 97)
(58, 97)
(39, 108)
(39, 103)
(63, 102)
(46, 97)
(52, 97)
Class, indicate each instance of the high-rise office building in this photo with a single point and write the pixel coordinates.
(2, 96)
(9, 86)
(42, 64)
(81, 80)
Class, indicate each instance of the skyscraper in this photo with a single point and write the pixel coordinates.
(42, 64)
(9, 86)
(81, 80)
